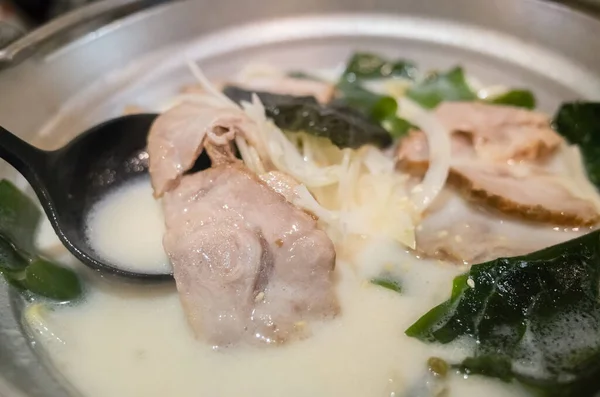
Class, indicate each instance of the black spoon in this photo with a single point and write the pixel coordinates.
(70, 180)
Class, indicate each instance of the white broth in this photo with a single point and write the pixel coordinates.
(126, 228)
(125, 340)
(135, 341)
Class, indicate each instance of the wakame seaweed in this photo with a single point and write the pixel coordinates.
(452, 85)
(579, 123)
(442, 86)
(19, 216)
(519, 98)
(380, 108)
(367, 66)
(535, 318)
(20, 266)
(343, 125)
(389, 282)
(297, 74)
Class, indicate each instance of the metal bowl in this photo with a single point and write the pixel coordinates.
(90, 64)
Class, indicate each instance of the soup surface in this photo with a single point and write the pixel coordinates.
(129, 215)
(413, 178)
(135, 341)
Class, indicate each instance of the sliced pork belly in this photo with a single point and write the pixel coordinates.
(499, 132)
(481, 166)
(249, 266)
(177, 137)
(528, 192)
(460, 232)
(489, 132)
(281, 183)
(500, 165)
(413, 151)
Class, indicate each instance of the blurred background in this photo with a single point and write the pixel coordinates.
(17, 17)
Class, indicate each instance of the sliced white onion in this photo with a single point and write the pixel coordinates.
(250, 156)
(438, 139)
(576, 179)
(377, 162)
(208, 87)
(255, 70)
(284, 155)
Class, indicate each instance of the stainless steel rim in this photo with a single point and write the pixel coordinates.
(76, 24)
(27, 45)
(20, 49)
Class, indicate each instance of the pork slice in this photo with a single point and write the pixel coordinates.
(281, 183)
(463, 233)
(500, 133)
(413, 151)
(529, 192)
(177, 138)
(249, 266)
(525, 189)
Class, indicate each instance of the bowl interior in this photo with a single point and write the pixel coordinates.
(142, 62)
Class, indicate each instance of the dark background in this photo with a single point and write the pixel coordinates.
(40, 11)
(17, 17)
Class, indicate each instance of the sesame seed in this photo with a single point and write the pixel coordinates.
(259, 297)
(300, 324)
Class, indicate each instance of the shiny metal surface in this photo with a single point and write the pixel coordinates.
(95, 14)
(50, 96)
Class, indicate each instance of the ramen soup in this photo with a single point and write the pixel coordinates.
(380, 233)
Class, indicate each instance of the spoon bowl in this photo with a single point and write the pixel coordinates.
(70, 180)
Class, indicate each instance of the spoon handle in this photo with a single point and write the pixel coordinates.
(30, 161)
